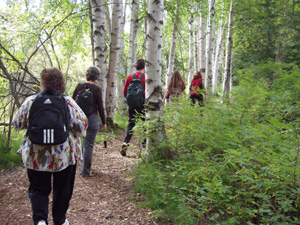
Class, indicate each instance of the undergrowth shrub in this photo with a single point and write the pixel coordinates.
(8, 156)
(233, 163)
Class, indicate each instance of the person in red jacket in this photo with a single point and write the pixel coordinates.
(197, 89)
(133, 113)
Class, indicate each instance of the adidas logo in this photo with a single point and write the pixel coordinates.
(48, 101)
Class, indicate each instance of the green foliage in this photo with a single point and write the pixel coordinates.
(104, 136)
(8, 156)
(233, 163)
(263, 30)
(120, 118)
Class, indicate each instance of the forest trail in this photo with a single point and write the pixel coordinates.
(104, 198)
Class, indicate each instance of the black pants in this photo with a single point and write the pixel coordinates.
(198, 98)
(40, 188)
(133, 115)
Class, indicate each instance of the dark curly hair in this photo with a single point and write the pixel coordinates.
(140, 64)
(92, 73)
(53, 78)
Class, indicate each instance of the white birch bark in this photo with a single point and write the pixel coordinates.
(208, 66)
(113, 61)
(134, 25)
(173, 47)
(107, 21)
(196, 39)
(154, 71)
(227, 75)
(202, 45)
(100, 48)
(217, 55)
(122, 65)
(191, 50)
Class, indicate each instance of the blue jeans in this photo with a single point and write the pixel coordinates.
(40, 188)
(88, 144)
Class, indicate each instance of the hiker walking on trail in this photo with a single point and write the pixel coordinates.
(197, 89)
(51, 146)
(83, 93)
(175, 87)
(134, 92)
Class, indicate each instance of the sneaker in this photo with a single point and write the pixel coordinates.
(124, 148)
(42, 222)
(66, 222)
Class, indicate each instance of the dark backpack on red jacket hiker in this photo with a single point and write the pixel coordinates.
(135, 96)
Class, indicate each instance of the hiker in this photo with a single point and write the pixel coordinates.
(135, 107)
(197, 89)
(92, 74)
(175, 87)
(57, 160)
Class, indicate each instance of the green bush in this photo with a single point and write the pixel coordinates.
(233, 163)
(8, 156)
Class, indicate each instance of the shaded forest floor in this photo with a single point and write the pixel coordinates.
(105, 198)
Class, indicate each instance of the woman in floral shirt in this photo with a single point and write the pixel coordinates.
(43, 161)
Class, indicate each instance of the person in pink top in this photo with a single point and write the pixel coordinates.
(197, 89)
(133, 113)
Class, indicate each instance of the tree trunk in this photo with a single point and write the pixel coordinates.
(202, 45)
(173, 47)
(120, 105)
(227, 75)
(97, 7)
(153, 71)
(210, 26)
(196, 39)
(191, 50)
(113, 61)
(92, 30)
(217, 55)
(108, 21)
(134, 25)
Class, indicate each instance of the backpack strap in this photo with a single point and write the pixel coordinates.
(142, 75)
(133, 76)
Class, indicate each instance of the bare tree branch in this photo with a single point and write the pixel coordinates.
(11, 83)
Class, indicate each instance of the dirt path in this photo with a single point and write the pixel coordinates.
(104, 198)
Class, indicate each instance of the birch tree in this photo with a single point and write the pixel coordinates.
(196, 40)
(122, 64)
(107, 21)
(202, 44)
(153, 71)
(134, 25)
(113, 61)
(97, 10)
(208, 67)
(217, 55)
(191, 49)
(227, 75)
(173, 46)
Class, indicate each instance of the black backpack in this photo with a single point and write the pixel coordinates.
(85, 99)
(49, 118)
(135, 92)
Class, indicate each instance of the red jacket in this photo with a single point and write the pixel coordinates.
(196, 83)
(129, 79)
